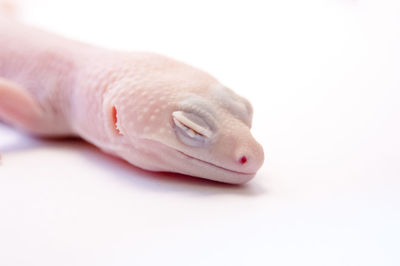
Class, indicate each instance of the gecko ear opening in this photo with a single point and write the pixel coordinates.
(112, 120)
(114, 117)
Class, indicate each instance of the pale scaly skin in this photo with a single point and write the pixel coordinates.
(156, 113)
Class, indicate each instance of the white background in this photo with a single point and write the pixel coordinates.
(323, 77)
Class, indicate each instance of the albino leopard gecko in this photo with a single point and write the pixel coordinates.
(156, 113)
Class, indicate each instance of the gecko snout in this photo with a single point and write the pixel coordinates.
(250, 157)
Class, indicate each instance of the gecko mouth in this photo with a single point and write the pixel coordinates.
(213, 165)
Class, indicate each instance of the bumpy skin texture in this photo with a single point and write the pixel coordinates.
(156, 113)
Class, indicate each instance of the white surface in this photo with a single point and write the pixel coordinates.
(324, 79)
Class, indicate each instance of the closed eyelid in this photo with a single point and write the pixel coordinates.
(199, 106)
(193, 129)
(180, 118)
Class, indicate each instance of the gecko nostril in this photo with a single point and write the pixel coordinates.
(243, 159)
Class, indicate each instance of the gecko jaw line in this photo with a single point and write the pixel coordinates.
(214, 165)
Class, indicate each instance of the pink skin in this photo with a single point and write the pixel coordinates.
(156, 113)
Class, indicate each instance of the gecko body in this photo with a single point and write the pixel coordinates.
(155, 112)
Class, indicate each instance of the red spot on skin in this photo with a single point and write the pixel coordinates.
(243, 160)
(114, 118)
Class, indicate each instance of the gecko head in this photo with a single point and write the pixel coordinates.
(213, 138)
(187, 122)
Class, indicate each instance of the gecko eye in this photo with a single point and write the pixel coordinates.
(191, 129)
